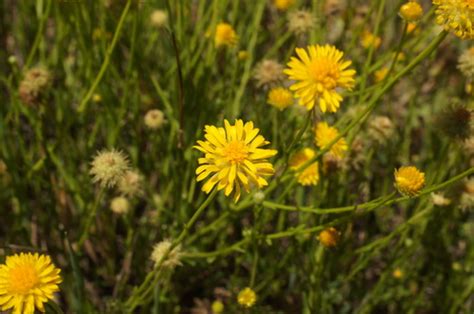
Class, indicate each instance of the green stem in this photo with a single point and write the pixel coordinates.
(36, 42)
(105, 64)
(90, 218)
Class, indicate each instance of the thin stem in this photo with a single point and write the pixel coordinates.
(90, 218)
(36, 42)
(105, 64)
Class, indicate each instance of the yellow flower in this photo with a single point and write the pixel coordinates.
(247, 297)
(217, 307)
(411, 11)
(411, 27)
(283, 5)
(234, 158)
(243, 55)
(368, 39)
(380, 75)
(325, 134)
(397, 273)
(310, 175)
(409, 180)
(27, 281)
(456, 16)
(225, 35)
(280, 98)
(329, 237)
(320, 72)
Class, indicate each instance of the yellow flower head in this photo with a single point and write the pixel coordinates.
(320, 72)
(329, 237)
(381, 74)
(397, 273)
(325, 134)
(217, 307)
(310, 175)
(368, 39)
(243, 55)
(27, 281)
(456, 16)
(225, 35)
(411, 27)
(234, 158)
(411, 11)
(409, 180)
(280, 98)
(247, 297)
(283, 5)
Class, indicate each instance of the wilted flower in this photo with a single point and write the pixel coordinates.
(439, 200)
(381, 129)
(131, 183)
(159, 18)
(280, 98)
(108, 167)
(247, 297)
(320, 74)
(268, 72)
(173, 258)
(409, 180)
(455, 122)
(466, 63)
(225, 35)
(300, 22)
(120, 205)
(34, 85)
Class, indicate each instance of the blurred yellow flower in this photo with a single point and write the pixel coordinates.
(411, 27)
(247, 297)
(27, 281)
(225, 35)
(325, 134)
(280, 98)
(456, 16)
(310, 175)
(409, 180)
(283, 5)
(381, 74)
(368, 39)
(411, 11)
(243, 55)
(397, 273)
(320, 73)
(234, 158)
(329, 237)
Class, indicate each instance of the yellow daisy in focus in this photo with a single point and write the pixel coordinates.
(320, 73)
(325, 134)
(27, 281)
(310, 175)
(247, 297)
(409, 180)
(456, 16)
(280, 98)
(234, 158)
(225, 35)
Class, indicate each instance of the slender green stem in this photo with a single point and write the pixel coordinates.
(38, 35)
(92, 215)
(83, 105)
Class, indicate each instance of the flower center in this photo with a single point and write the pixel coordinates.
(325, 73)
(235, 151)
(22, 279)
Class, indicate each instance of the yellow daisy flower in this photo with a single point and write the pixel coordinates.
(247, 297)
(310, 175)
(409, 180)
(283, 5)
(411, 11)
(280, 98)
(324, 134)
(456, 16)
(234, 158)
(320, 73)
(329, 237)
(27, 281)
(225, 35)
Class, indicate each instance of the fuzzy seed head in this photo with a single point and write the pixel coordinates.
(34, 85)
(120, 205)
(466, 63)
(159, 18)
(381, 129)
(300, 22)
(173, 258)
(131, 183)
(108, 167)
(268, 72)
(154, 119)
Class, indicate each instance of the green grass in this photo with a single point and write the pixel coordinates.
(110, 48)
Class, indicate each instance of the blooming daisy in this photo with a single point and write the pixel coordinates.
(409, 180)
(234, 158)
(320, 72)
(310, 175)
(225, 35)
(456, 16)
(27, 281)
(325, 134)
